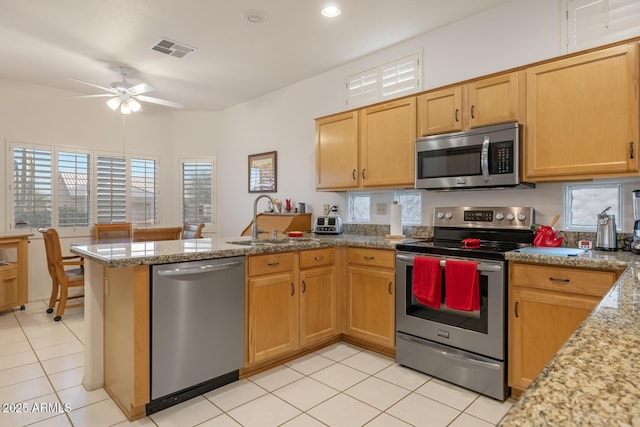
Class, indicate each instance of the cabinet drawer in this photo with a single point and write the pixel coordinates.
(271, 263)
(317, 257)
(371, 257)
(574, 280)
(8, 285)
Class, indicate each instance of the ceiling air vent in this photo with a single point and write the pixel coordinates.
(179, 50)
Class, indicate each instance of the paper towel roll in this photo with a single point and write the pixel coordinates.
(396, 219)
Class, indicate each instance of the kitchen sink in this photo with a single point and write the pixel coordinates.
(283, 241)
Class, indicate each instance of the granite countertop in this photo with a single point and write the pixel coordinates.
(595, 377)
(115, 255)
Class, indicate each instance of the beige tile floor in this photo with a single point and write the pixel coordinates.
(41, 368)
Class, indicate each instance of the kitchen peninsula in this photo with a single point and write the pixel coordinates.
(117, 302)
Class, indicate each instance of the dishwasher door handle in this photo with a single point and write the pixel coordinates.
(198, 270)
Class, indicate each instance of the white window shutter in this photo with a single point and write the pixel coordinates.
(391, 80)
(144, 191)
(591, 23)
(32, 187)
(197, 191)
(111, 195)
(73, 184)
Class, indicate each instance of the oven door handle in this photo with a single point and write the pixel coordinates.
(484, 159)
(492, 268)
(468, 359)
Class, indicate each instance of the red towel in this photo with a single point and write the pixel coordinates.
(462, 286)
(427, 281)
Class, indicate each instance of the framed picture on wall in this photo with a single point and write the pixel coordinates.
(263, 170)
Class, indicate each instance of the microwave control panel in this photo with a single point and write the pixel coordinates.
(501, 157)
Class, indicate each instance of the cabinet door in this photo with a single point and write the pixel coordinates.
(440, 111)
(318, 304)
(273, 316)
(539, 324)
(494, 100)
(582, 116)
(9, 289)
(387, 144)
(370, 305)
(337, 151)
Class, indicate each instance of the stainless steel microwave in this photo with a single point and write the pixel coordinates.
(483, 157)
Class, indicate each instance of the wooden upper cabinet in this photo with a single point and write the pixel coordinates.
(337, 152)
(387, 144)
(440, 111)
(488, 101)
(582, 116)
(498, 99)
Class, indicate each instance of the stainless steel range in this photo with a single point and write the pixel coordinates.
(463, 346)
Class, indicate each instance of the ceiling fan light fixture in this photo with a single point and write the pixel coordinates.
(133, 105)
(114, 103)
(124, 108)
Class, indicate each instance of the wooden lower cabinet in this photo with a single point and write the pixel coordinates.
(292, 302)
(13, 271)
(546, 306)
(370, 314)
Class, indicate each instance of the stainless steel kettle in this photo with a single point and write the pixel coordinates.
(606, 238)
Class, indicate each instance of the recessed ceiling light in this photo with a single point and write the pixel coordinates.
(331, 11)
(253, 16)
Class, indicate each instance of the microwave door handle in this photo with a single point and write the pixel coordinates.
(484, 159)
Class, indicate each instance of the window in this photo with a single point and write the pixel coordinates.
(111, 198)
(73, 184)
(360, 206)
(32, 187)
(390, 80)
(62, 187)
(590, 23)
(583, 203)
(144, 191)
(197, 191)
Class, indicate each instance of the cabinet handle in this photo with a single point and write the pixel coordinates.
(369, 257)
(273, 263)
(631, 150)
(319, 258)
(353, 174)
(457, 115)
(293, 289)
(515, 309)
(363, 174)
(558, 280)
(390, 293)
(473, 111)
(304, 287)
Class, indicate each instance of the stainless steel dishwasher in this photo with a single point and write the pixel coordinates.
(197, 328)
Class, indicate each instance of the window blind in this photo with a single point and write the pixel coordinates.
(31, 187)
(197, 192)
(73, 189)
(144, 191)
(591, 23)
(111, 198)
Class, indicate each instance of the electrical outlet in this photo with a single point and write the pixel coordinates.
(381, 208)
(326, 208)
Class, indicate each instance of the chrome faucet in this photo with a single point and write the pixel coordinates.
(254, 229)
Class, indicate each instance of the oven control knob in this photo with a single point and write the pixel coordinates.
(521, 216)
(440, 215)
(499, 216)
(448, 215)
(510, 217)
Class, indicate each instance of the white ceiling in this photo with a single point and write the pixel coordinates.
(46, 41)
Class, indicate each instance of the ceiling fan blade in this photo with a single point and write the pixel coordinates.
(141, 88)
(107, 89)
(100, 95)
(159, 101)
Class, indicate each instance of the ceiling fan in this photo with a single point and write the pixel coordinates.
(125, 96)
